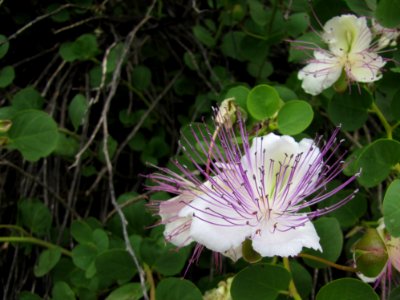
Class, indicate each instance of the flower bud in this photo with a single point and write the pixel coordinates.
(370, 253)
(227, 113)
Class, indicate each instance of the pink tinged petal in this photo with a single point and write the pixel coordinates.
(269, 241)
(393, 248)
(347, 33)
(321, 72)
(364, 67)
(176, 228)
(218, 228)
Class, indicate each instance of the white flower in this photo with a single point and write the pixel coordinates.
(348, 39)
(255, 193)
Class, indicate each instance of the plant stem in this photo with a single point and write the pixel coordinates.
(292, 287)
(15, 227)
(150, 280)
(383, 120)
(329, 263)
(32, 240)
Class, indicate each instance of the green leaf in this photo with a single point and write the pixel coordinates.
(395, 294)
(111, 148)
(34, 133)
(172, 260)
(294, 117)
(141, 78)
(240, 94)
(62, 291)
(331, 240)
(28, 296)
(302, 279)
(348, 214)
(3, 47)
(360, 7)
(257, 12)
(351, 111)
(83, 48)
(47, 260)
(387, 13)
(261, 281)
(391, 208)
(114, 56)
(297, 24)
(7, 75)
(115, 264)
(230, 44)
(27, 98)
(66, 146)
(100, 239)
(77, 110)
(204, 36)
(62, 16)
(376, 161)
(35, 216)
(347, 289)
(129, 291)
(174, 288)
(263, 102)
(81, 231)
(84, 255)
(260, 70)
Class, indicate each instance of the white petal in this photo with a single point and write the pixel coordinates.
(176, 227)
(211, 226)
(271, 152)
(234, 253)
(321, 73)
(347, 34)
(364, 67)
(272, 242)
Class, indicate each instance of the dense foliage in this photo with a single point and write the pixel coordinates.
(92, 92)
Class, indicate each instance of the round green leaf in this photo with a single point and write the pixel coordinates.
(35, 216)
(174, 288)
(387, 13)
(84, 255)
(331, 240)
(391, 208)
(348, 214)
(297, 23)
(114, 57)
(77, 110)
(28, 296)
(204, 36)
(261, 281)
(7, 75)
(260, 70)
(129, 291)
(62, 291)
(141, 77)
(115, 264)
(34, 133)
(395, 294)
(47, 260)
(294, 117)
(83, 48)
(4, 45)
(350, 110)
(347, 289)
(172, 261)
(258, 13)
(240, 94)
(377, 160)
(81, 231)
(27, 98)
(263, 102)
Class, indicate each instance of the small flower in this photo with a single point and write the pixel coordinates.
(349, 53)
(259, 193)
(222, 292)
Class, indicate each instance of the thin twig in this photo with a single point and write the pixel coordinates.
(104, 123)
(38, 19)
(127, 203)
(79, 23)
